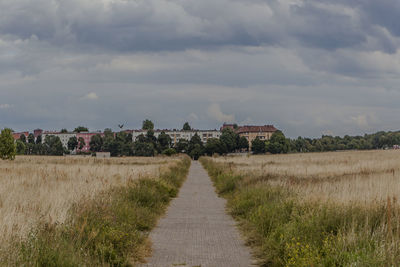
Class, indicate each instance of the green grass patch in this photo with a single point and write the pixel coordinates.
(110, 230)
(285, 230)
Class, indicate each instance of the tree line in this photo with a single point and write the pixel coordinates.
(122, 144)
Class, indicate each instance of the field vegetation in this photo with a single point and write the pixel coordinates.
(315, 209)
(83, 211)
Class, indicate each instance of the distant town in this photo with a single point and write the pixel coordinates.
(81, 140)
(230, 138)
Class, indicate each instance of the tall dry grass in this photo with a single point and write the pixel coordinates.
(354, 176)
(317, 209)
(34, 189)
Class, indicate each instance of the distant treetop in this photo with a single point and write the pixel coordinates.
(81, 129)
(186, 127)
(147, 125)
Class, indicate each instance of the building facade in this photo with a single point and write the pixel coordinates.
(64, 137)
(87, 137)
(251, 132)
(176, 135)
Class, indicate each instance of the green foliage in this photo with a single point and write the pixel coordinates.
(182, 146)
(243, 143)
(81, 143)
(20, 147)
(169, 152)
(72, 143)
(164, 141)
(64, 130)
(229, 138)
(80, 129)
(96, 143)
(52, 146)
(143, 149)
(186, 127)
(148, 125)
(215, 146)
(110, 230)
(7, 145)
(257, 146)
(278, 143)
(31, 138)
(379, 140)
(22, 138)
(196, 152)
(285, 230)
(195, 147)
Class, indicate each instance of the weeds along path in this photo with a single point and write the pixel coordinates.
(196, 231)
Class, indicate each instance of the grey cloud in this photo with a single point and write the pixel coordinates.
(306, 66)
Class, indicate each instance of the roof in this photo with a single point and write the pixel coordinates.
(256, 129)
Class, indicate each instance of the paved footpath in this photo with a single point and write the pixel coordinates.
(196, 231)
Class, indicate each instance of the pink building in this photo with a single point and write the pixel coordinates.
(87, 137)
(18, 135)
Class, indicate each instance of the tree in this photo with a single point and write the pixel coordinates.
(108, 133)
(81, 129)
(258, 146)
(229, 138)
(64, 130)
(150, 138)
(143, 149)
(81, 143)
(21, 147)
(195, 148)
(31, 138)
(181, 146)
(214, 145)
(164, 141)
(72, 143)
(96, 143)
(186, 127)
(123, 143)
(196, 152)
(39, 139)
(243, 143)
(22, 138)
(7, 145)
(52, 145)
(147, 125)
(279, 144)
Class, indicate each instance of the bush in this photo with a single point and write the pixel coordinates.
(169, 152)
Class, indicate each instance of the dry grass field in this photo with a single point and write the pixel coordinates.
(355, 176)
(34, 189)
(315, 209)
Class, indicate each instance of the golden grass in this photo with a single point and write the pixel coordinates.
(34, 189)
(364, 177)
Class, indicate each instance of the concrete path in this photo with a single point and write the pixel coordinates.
(196, 231)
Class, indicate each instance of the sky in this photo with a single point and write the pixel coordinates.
(309, 67)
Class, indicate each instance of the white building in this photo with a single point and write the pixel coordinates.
(180, 134)
(64, 137)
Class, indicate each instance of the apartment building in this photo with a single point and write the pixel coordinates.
(180, 134)
(64, 137)
(251, 132)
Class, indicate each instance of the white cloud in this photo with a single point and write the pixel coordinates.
(5, 106)
(214, 111)
(91, 96)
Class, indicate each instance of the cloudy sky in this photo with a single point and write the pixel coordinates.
(309, 67)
